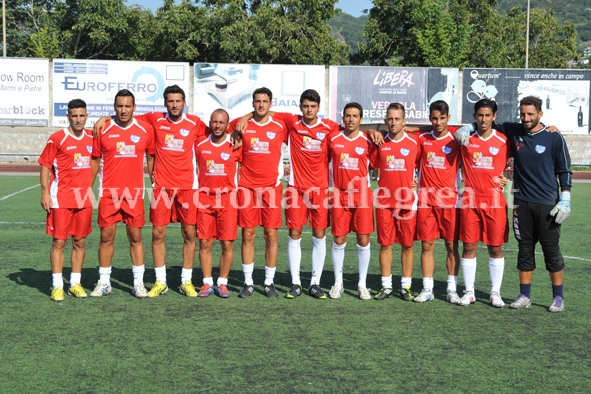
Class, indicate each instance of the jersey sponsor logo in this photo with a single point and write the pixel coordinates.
(184, 132)
(81, 161)
(225, 156)
(172, 143)
(89, 148)
(446, 149)
(320, 136)
(339, 146)
(435, 161)
(404, 151)
(135, 138)
(427, 143)
(164, 128)
(311, 144)
(271, 135)
(302, 131)
(214, 169)
(359, 150)
(540, 149)
(493, 150)
(481, 161)
(349, 163)
(385, 148)
(473, 146)
(71, 147)
(125, 150)
(250, 132)
(114, 136)
(258, 146)
(394, 164)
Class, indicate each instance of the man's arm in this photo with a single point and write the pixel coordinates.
(150, 162)
(98, 126)
(561, 211)
(45, 197)
(96, 162)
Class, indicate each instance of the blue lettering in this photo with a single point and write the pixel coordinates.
(70, 83)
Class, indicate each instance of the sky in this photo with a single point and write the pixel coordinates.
(353, 7)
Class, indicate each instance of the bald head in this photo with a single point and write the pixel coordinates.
(218, 123)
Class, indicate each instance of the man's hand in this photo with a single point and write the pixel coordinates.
(552, 129)
(462, 135)
(501, 180)
(242, 123)
(561, 211)
(236, 139)
(45, 201)
(98, 126)
(376, 137)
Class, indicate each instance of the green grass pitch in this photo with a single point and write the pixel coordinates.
(170, 344)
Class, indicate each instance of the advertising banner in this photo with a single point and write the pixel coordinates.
(376, 87)
(565, 95)
(24, 88)
(98, 81)
(230, 86)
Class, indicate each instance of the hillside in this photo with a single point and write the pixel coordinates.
(576, 11)
(347, 28)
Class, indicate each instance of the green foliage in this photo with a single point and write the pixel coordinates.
(463, 33)
(347, 28)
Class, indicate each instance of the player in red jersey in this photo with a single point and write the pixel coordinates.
(438, 216)
(260, 189)
(69, 210)
(218, 215)
(396, 205)
(119, 150)
(484, 209)
(174, 184)
(352, 210)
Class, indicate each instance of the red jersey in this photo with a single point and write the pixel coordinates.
(122, 151)
(174, 162)
(439, 179)
(350, 161)
(217, 165)
(262, 153)
(308, 150)
(397, 162)
(484, 160)
(68, 157)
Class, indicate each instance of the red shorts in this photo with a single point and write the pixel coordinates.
(485, 223)
(436, 222)
(301, 204)
(128, 212)
(260, 207)
(65, 222)
(169, 206)
(351, 212)
(217, 217)
(396, 226)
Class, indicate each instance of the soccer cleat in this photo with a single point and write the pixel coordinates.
(496, 300)
(246, 291)
(385, 292)
(557, 305)
(77, 291)
(406, 294)
(270, 291)
(316, 292)
(206, 290)
(139, 291)
(467, 299)
(364, 293)
(424, 296)
(295, 291)
(57, 294)
(157, 289)
(520, 302)
(223, 291)
(101, 289)
(453, 297)
(188, 289)
(336, 291)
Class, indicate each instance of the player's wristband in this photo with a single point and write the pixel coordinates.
(565, 196)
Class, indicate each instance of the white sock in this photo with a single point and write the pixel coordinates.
(294, 256)
(160, 273)
(427, 283)
(496, 268)
(363, 254)
(75, 278)
(105, 275)
(208, 281)
(338, 258)
(186, 274)
(247, 269)
(138, 274)
(452, 283)
(318, 257)
(469, 272)
(387, 282)
(57, 280)
(405, 282)
(269, 275)
(222, 281)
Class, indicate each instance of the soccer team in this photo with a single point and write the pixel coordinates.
(194, 173)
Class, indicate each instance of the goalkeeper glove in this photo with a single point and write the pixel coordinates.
(561, 211)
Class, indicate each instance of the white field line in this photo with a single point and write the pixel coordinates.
(19, 192)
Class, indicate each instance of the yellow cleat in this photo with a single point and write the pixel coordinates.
(188, 289)
(77, 291)
(57, 294)
(157, 289)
